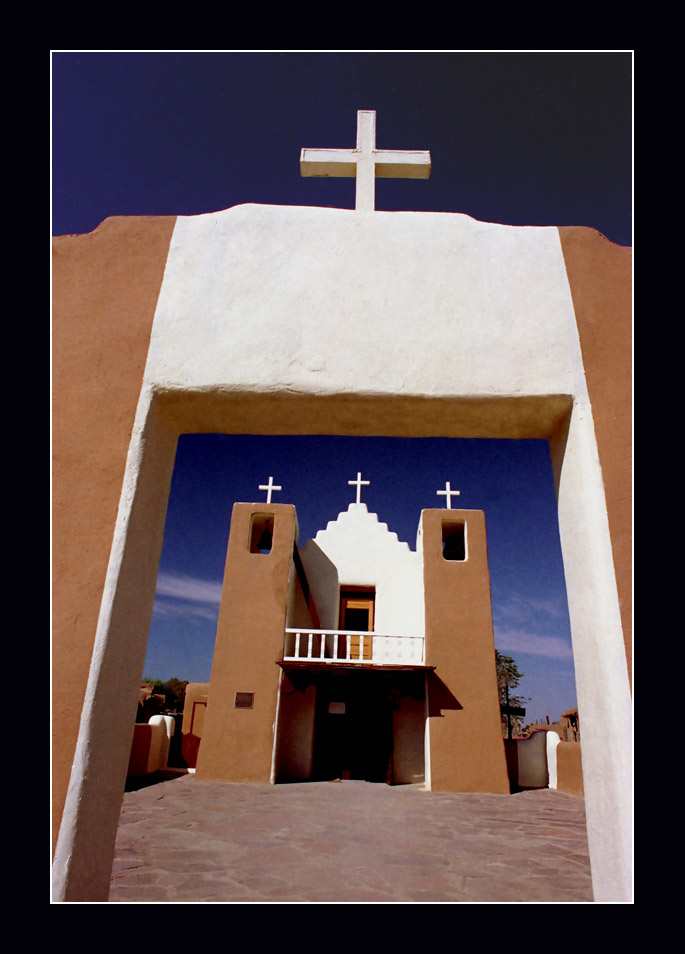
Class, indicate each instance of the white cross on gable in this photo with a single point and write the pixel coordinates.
(269, 487)
(359, 483)
(366, 162)
(448, 493)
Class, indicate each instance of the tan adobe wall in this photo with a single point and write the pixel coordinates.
(194, 712)
(140, 749)
(238, 744)
(409, 730)
(295, 745)
(465, 728)
(105, 292)
(599, 275)
(570, 769)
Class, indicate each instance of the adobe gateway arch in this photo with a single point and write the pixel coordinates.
(294, 320)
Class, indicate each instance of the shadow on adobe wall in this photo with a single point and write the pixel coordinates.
(439, 696)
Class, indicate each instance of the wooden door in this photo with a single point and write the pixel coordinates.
(356, 613)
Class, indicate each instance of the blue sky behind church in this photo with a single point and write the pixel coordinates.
(516, 138)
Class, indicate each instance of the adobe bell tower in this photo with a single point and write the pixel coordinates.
(238, 738)
(464, 744)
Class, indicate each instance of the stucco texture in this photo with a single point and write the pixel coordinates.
(331, 301)
(106, 286)
(237, 744)
(599, 275)
(465, 730)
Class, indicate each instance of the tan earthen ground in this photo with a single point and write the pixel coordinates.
(187, 840)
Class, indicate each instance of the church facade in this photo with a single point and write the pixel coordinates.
(353, 657)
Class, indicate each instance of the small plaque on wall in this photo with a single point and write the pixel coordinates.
(336, 708)
(244, 700)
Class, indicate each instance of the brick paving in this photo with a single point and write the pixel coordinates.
(187, 840)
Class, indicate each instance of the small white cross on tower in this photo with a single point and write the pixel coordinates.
(269, 487)
(366, 162)
(448, 493)
(359, 483)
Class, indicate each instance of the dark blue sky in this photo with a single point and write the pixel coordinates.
(515, 138)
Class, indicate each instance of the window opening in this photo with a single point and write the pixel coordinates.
(454, 540)
(261, 533)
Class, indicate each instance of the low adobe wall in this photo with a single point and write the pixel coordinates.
(150, 747)
(194, 711)
(570, 769)
(527, 762)
(140, 750)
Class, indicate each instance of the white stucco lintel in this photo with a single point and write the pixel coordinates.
(329, 301)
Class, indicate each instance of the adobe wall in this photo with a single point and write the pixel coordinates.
(140, 749)
(464, 733)
(192, 728)
(570, 769)
(527, 761)
(238, 744)
(599, 275)
(296, 716)
(409, 735)
(105, 291)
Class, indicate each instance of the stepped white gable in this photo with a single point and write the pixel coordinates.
(357, 549)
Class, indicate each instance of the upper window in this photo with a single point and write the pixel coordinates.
(261, 533)
(454, 540)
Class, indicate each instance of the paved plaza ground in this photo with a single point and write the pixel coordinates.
(187, 840)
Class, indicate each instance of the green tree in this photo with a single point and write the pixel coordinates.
(150, 681)
(508, 678)
(173, 689)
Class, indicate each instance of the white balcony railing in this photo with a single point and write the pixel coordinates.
(332, 645)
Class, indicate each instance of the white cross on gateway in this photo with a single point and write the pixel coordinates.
(366, 162)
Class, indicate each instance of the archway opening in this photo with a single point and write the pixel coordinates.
(510, 480)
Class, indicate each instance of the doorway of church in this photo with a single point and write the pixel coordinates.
(353, 728)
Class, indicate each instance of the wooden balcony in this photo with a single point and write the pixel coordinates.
(350, 646)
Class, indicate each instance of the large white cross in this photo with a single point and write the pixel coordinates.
(448, 493)
(366, 162)
(269, 487)
(358, 483)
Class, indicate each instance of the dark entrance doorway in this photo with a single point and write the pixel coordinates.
(353, 729)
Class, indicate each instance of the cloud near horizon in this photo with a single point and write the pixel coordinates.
(518, 609)
(523, 641)
(199, 598)
(188, 588)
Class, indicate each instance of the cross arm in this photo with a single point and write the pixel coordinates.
(389, 164)
(408, 164)
(328, 162)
